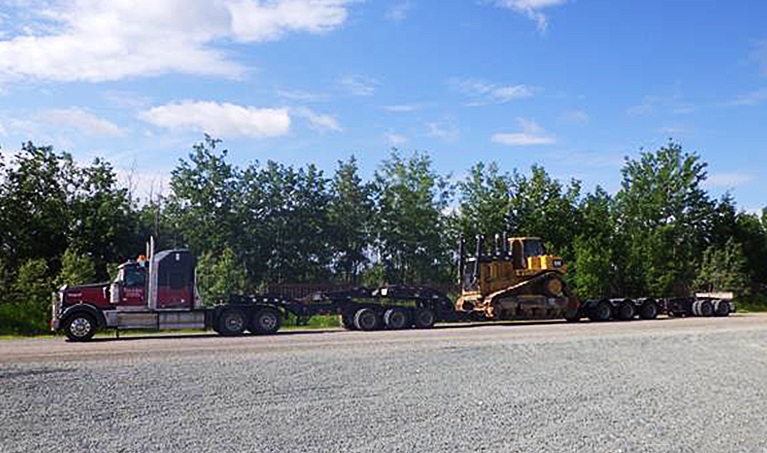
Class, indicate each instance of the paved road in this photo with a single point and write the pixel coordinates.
(684, 385)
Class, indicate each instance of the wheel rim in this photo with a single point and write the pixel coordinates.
(234, 322)
(397, 319)
(80, 327)
(604, 311)
(426, 318)
(368, 320)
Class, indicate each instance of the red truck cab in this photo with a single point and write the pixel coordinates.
(155, 293)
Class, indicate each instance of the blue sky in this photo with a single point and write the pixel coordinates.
(572, 85)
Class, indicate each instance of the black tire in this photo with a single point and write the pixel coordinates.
(347, 320)
(366, 319)
(706, 308)
(396, 318)
(625, 311)
(600, 312)
(696, 308)
(265, 321)
(232, 322)
(424, 318)
(80, 327)
(721, 308)
(648, 310)
(572, 318)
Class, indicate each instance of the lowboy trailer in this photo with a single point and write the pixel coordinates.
(512, 283)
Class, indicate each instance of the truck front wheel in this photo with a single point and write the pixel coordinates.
(80, 327)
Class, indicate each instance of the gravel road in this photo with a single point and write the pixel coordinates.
(669, 385)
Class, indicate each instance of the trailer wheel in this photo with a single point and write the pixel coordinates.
(602, 311)
(366, 319)
(396, 318)
(705, 308)
(695, 307)
(232, 322)
(721, 308)
(424, 318)
(266, 321)
(626, 310)
(80, 327)
(648, 310)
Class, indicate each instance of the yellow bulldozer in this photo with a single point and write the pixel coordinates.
(515, 278)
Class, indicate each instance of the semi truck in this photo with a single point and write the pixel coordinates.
(515, 280)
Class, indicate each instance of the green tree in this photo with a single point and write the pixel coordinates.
(103, 225)
(220, 275)
(34, 205)
(75, 268)
(484, 202)
(411, 200)
(204, 193)
(594, 247)
(723, 269)
(541, 206)
(350, 215)
(31, 296)
(664, 219)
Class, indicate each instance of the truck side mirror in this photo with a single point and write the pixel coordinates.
(115, 292)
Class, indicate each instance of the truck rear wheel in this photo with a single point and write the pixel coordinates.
(266, 321)
(424, 318)
(396, 318)
(80, 327)
(366, 319)
(232, 322)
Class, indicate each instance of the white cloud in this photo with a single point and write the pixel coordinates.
(317, 121)
(575, 117)
(445, 131)
(728, 179)
(220, 120)
(359, 85)
(253, 20)
(752, 98)
(673, 104)
(531, 134)
(532, 9)
(395, 139)
(302, 96)
(100, 40)
(82, 120)
(398, 12)
(483, 93)
(402, 108)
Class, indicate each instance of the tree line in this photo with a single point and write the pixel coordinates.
(661, 233)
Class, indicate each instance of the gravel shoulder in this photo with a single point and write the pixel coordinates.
(684, 385)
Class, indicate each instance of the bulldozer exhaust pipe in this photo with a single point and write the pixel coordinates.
(478, 256)
(461, 258)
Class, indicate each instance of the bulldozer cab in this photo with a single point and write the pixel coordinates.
(508, 262)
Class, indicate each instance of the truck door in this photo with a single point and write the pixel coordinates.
(134, 286)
